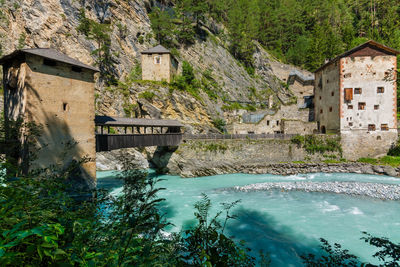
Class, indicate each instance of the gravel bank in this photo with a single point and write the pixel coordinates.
(374, 190)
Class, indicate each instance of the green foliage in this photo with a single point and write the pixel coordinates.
(313, 144)
(210, 146)
(206, 244)
(162, 26)
(368, 160)
(187, 82)
(21, 41)
(386, 160)
(334, 256)
(43, 224)
(220, 124)
(187, 72)
(233, 106)
(100, 33)
(306, 32)
(147, 95)
(394, 150)
(387, 252)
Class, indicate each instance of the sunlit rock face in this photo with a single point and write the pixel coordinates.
(54, 23)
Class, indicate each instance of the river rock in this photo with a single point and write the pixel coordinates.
(112, 160)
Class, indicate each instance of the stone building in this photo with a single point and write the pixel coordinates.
(55, 91)
(158, 64)
(285, 120)
(355, 96)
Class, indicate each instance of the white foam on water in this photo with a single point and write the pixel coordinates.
(327, 207)
(356, 211)
(296, 177)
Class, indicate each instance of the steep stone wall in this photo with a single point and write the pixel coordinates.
(202, 158)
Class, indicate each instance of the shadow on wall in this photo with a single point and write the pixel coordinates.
(56, 149)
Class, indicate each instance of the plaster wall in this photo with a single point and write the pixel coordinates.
(62, 101)
(153, 71)
(368, 74)
(326, 98)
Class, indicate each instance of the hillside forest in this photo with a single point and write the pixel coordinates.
(301, 32)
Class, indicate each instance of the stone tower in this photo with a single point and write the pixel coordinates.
(158, 64)
(55, 91)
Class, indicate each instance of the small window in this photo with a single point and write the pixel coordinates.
(250, 132)
(330, 109)
(349, 106)
(361, 105)
(380, 90)
(333, 93)
(76, 69)
(378, 138)
(320, 98)
(65, 106)
(376, 107)
(267, 122)
(348, 94)
(347, 75)
(350, 124)
(157, 60)
(371, 127)
(277, 123)
(321, 111)
(357, 91)
(384, 127)
(49, 62)
(327, 81)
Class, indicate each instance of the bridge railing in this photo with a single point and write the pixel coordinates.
(237, 136)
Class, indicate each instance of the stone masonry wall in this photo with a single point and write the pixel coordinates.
(202, 158)
(156, 72)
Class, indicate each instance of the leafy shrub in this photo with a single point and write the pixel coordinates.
(312, 144)
(334, 256)
(187, 73)
(147, 95)
(206, 244)
(220, 124)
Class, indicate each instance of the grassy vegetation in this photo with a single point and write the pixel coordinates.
(393, 161)
(209, 146)
(314, 144)
(149, 96)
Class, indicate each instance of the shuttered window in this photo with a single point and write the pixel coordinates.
(384, 127)
(348, 94)
(371, 127)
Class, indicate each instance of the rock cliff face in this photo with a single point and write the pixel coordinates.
(54, 24)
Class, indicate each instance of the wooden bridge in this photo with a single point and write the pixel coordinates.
(115, 133)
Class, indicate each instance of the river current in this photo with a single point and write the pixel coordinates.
(286, 224)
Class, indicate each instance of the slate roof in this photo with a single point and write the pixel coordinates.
(116, 121)
(159, 49)
(49, 54)
(303, 79)
(351, 51)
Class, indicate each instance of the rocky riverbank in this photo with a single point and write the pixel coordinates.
(292, 168)
(374, 190)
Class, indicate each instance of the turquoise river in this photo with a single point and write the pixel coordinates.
(284, 224)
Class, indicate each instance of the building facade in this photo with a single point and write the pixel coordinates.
(158, 64)
(355, 95)
(54, 91)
